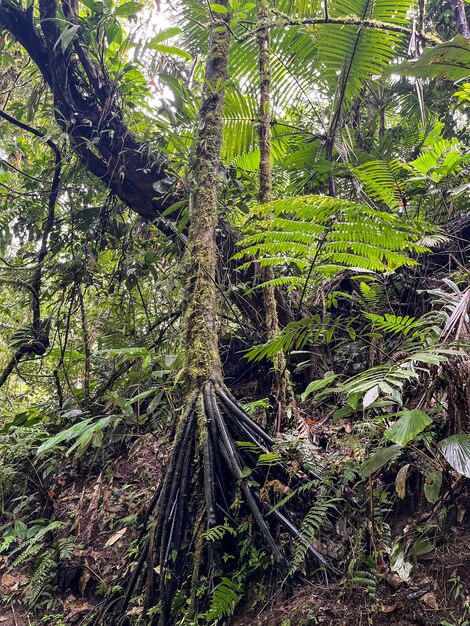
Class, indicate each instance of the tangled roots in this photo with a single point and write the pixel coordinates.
(205, 468)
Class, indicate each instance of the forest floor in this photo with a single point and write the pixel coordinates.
(101, 510)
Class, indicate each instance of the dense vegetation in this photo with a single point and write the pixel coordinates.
(234, 315)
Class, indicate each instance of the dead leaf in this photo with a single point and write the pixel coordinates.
(400, 481)
(393, 579)
(430, 599)
(388, 608)
(137, 610)
(82, 583)
(13, 583)
(8, 580)
(112, 540)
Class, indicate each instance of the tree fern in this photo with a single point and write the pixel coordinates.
(356, 54)
(383, 182)
(334, 234)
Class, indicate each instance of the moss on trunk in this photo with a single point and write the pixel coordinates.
(283, 387)
(202, 361)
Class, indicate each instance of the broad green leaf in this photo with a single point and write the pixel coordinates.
(128, 9)
(160, 47)
(456, 450)
(378, 460)
(432, 486)
(88, 435)
(218, 8)
(67, 35)
(422, 546)
(65, 435)
(371, 396)
(315, 385)
(448, 61)
(141, 396)
(410, 424)
(163, 35)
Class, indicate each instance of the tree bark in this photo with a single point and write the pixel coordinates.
(202, 361)
(458, 8)
(283, 389)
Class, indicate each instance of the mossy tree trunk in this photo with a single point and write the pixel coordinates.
(202, 361)
(285, 402)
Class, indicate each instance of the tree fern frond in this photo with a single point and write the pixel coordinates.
(382, 182)
(333, 233)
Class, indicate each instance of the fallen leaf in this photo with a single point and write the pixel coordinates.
(112, 540)
(430, 599)
(137, 610)
(388, 608)
(393, 579)
(8, 580)
(400, 481)
(82, 583)
(13, 583)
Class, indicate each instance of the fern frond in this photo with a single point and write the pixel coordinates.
(225, 597)
(310, 528)
(338, 234)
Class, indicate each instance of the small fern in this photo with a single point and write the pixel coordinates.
(397, 324)
(43, 574)
(225, 598)
(310, 528)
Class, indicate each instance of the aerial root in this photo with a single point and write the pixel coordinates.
(204, 470)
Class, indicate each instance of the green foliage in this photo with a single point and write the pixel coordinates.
(311, 526)
(224, 598)
(411, 423)
(378, 460)
(365, 239)
(456, 450)
(447, 61)
(330, 235)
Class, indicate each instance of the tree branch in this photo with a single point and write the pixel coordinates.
(351, 20)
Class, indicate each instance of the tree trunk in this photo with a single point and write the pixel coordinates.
(283, 388)
(458, 8)
(202, 362)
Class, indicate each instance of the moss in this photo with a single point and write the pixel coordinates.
(284, 390)
(202, 361)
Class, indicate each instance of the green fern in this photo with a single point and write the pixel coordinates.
(43, 574)
(311, 527)
(333, 235)
(397, 324)
(294, 336)
(225, 597)
(32, 545)
(383, 182)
